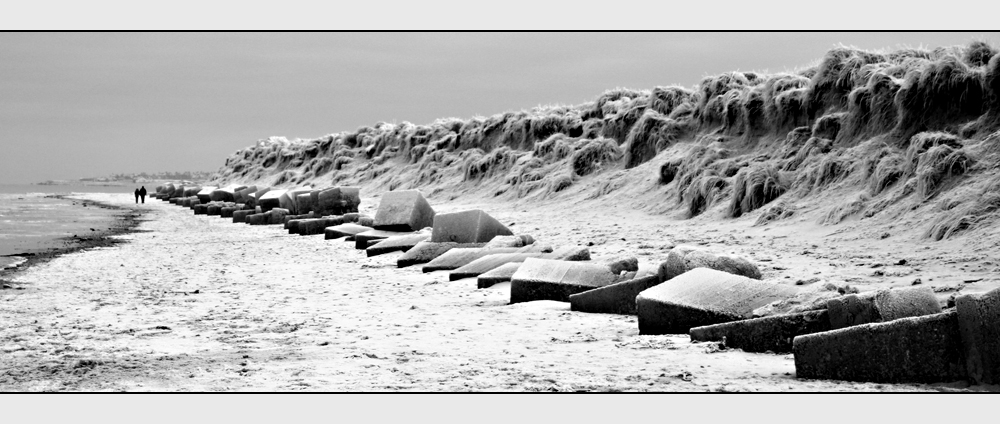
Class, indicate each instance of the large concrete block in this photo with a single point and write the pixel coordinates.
(400, 243)
(257, 218)
(227, 212)
(277, 216)
(924, 349)
(201, 209)
(457, 257)
(225, 194)
(471, 226)
(338, 200)
(546, 279)
(241, 216)
(405, 210)
(304, 202)
(205, 195)
(271, 199)
(682, 259)
(317, 225)
(253, 198)
(213, 210)
(191, 191)
(488, 263)
(427, 251)
(178, 192)
(979, 326)
(243, 194)
(361, 239)
(882, 305)
(617, 298)
(344, 230)
(701, 297)
(289, 200)
(500, 274)
(767, 334)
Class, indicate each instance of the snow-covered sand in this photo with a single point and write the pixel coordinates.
(199, 303)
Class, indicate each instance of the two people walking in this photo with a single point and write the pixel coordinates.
(140, 192)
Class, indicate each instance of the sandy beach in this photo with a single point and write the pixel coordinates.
(197, 303)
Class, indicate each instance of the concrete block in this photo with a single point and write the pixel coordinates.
(979, 326)
(471, 226)
(405, 210)
(882, 305)
(488, 263)
(257, 218)
(271, 199)
(304, 201)
(227, 212)
(427, 251)
(344, 230)
(317, 225)
(617, 298)
(366, 220)
(457, 257)
(289, 200)
(400, 243)
(191, 191)
(201, 209)
(205, 195)
(253, 199)
(546, 279)
(682, 259)
(352, 217)
(511, 241)
(701, 297)
(924, 349)
(277, 216)
(213, 210)
(337, 200)
(361, 239)
(178, 192)
(500, 274)
(241, 216)
(243, 194)
(767, 334)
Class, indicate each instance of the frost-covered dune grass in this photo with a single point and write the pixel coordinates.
(863, 135)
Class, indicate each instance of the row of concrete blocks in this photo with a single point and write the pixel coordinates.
(327, 201)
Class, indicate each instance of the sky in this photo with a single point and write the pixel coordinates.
(75, 105)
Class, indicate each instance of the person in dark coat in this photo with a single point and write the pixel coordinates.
(137, 196)
(142, 194)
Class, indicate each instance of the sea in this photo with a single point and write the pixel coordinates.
(31, 221)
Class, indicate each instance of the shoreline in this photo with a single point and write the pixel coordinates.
(124, 220)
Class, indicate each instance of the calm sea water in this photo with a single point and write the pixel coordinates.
(30, 222)
(70, 188)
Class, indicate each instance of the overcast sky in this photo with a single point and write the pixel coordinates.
(93, 104)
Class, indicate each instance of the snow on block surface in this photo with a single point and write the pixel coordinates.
(701, 297)
(488, 263)
(617, 298)
(546, 279)
(401, 243)
(924, 349)
(405, 210)
(772, 333)
(427, 251)
(361, 239)
(500, 274)
(344, 230)
(471, 226)
(458, 257)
